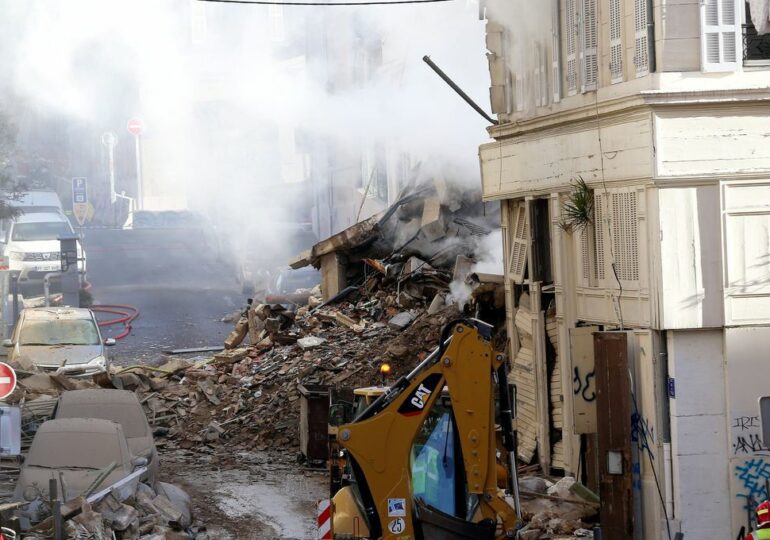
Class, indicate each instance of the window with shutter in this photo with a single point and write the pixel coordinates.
(599, 229)
(590, 45)
(571, 29)
(588, 275)
(519, 242)
(543, 73)
(720, 35)
(539, 76)
(625, 235)
(556, 51)
(641, 41)
(616, 42)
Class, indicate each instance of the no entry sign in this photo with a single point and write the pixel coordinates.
(7, 380)
(135, 127)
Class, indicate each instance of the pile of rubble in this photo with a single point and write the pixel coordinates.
(130, 511)
(556, 509)
(248, 398)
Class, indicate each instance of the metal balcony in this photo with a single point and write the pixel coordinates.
(756, 48)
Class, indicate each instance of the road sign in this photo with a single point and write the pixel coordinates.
(80, 199)
(80, 190)
(109, 139)
(135, 127)
(7, 380)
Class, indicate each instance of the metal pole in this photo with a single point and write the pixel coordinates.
(459, 90)
(47, 290)
(139, 180)
(113, 198)
(112, 171)
(58, 532)
(15, 294)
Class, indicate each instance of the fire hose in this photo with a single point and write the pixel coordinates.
(126, 315)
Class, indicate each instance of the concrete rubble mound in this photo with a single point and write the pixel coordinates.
(381, 303)
(135, 512)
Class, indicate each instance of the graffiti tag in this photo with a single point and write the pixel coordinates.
(642, 432)
(583, 386)
(746, 437)
(753, 475)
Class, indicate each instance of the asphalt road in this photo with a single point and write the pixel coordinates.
(180, 287)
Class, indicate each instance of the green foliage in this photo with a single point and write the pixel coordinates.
(578, 210)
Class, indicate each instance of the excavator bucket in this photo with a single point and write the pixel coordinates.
(437, 525)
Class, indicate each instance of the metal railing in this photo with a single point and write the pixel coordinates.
(756, 48)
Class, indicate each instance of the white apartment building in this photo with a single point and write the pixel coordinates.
(662, 107)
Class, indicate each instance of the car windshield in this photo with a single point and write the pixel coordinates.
(59, 332)
(74, 450)
(131, 418)
(25, 232)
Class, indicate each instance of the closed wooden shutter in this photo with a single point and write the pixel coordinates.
(572, 33)
(519, 243)
(600, 232)
(616, 42)
(625, 235)
(523, 376)
(590, 46)
(556, 52)
(720, 35)
(641, 40)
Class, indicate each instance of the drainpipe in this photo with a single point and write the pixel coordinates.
(651, 36)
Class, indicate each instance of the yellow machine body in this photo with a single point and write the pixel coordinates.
(379, 448)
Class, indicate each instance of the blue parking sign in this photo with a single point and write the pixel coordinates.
(79, 190)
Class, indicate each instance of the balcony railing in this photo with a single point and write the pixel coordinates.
(756, 48)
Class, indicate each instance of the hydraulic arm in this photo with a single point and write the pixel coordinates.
(423, 456)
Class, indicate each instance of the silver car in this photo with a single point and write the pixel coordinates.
(119, 406)
(59, 339)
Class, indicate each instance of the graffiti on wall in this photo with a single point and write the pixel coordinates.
(642, 434)
(746, 437)
(584, 386)
(753, 476)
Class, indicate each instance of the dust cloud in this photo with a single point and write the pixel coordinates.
(254, 114)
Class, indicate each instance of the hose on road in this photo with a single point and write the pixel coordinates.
(126, 315)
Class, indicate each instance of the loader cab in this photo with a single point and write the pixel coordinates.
(437, 472)
(436, 463)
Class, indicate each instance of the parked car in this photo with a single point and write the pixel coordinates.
(73, 451)
(59, 339)
(33, 202)
(33, 248)
(118, 406)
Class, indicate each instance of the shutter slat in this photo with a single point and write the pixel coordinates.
(616, 43)
(519, 234)
(720, 32)
(641, 42)
(590, 46)
(556, 52)
(572, 33)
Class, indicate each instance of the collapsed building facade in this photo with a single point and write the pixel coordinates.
(631, 163)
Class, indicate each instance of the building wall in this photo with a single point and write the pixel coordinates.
(699, 433)
(681, 144)
(749, 457)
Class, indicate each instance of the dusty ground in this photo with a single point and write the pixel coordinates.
(255, 498)
(182, 296)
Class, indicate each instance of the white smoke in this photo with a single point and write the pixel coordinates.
(489, 260)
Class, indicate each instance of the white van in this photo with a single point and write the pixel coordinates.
(30, 202)
(33, 248)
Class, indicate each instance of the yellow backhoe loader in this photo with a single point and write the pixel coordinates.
(421, 460)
